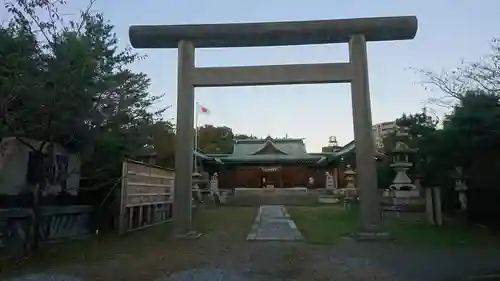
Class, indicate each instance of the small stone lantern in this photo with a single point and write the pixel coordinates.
(350, 178)
(195, 189)
(214, 187)
(350, 192)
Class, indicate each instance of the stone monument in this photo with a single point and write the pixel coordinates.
(330, 196)
(329, 183)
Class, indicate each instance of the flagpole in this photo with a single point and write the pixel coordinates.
(196, 135)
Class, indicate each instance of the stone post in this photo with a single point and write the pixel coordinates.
(461, 188)
(363, 137)
(336, 178)
(429, 206)
(3, 237)
(184, 139)
(438, 211)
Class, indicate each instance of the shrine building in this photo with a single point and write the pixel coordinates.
(276, 163)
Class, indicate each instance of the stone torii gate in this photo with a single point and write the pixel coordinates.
(354, 31)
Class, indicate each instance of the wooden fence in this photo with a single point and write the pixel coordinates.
(146, 196)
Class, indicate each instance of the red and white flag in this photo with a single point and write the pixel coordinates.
(202, 109)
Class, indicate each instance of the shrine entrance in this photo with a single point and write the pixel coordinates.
(271, 177)
(356, 32)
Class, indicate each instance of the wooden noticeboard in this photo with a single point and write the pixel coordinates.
(146, 195)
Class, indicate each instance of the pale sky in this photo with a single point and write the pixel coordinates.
(449, 31)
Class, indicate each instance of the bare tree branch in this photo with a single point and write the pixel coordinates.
(84, 16)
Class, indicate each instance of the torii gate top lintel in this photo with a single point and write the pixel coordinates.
(273, 33)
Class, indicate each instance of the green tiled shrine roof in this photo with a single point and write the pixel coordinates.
(254, 150)
(283, 147)
(286, 150)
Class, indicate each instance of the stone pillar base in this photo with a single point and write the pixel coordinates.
(367, 236)
(191, 235)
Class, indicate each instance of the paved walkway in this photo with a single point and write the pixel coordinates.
(273, 223)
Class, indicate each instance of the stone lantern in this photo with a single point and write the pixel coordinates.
(350, 178)
(214, 187)
(461, 188)
(350, 192)
(402, 190)
(195, 189)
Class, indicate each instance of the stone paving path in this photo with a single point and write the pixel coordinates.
(273, 223)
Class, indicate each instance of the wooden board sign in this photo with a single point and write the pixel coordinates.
(146, 194)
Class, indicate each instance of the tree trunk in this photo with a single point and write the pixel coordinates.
(37, 194)
(42, 181)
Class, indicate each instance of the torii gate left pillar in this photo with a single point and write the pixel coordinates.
(354, 31)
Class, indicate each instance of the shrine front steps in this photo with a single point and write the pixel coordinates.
(256, 199)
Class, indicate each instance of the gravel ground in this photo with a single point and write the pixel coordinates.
(45, 277)
(407, 263)
(274, 261)
(222, 254)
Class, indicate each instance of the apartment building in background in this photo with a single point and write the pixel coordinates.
(381, 130)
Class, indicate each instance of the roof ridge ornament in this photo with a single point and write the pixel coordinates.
(269, 142)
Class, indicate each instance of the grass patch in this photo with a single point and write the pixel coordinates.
(234, 220)
(328, 224)
(441, 236)
(139, 245)
(323, 224)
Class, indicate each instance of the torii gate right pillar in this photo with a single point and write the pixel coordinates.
(363, 137)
